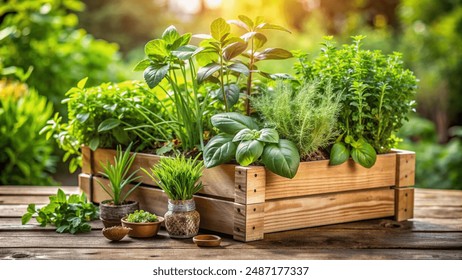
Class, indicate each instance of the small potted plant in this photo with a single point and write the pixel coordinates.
(178, 177)
(142, 223)
(114, 209)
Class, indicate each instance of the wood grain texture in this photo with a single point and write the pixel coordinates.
(249, 222)
(249, 184)
(435, 232)
(286, 214)
(218, 181)
(405, 168)
(318, 177)
(218, 254)
(404, 204)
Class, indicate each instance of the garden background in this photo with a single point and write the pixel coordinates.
(47, 46)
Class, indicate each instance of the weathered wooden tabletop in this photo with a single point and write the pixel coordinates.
(434, 233)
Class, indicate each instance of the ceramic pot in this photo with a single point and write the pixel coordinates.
(111, 214)
(182, 220)
(142, 230)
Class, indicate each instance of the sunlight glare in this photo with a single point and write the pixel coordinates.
(186, 6)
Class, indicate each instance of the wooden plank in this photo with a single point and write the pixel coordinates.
(36, 190)
(404, 204)
(432, 197)
(231, 254)
(218, 181)
(13, 199)
(305, 238)
(250, 184)
(326, 209)
(249, 222)
(318, 177)
(405, 168)
(215, 214)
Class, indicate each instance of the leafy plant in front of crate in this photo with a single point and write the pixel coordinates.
(68, 214)
(118, 188)
(142, 223)
(376, 94)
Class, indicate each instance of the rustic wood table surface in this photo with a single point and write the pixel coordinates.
(434, 233)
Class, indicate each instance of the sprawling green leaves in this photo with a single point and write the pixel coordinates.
(339, 154)
(68, 214)
(363, 153)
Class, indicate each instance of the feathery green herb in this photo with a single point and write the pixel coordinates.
(306, 116)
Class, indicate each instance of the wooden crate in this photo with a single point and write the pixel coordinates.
(248, 202)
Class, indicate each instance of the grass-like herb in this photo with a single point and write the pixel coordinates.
(177, 176)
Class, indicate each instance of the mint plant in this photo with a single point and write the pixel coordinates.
(241, 139)
(376, 94)
(68, 214)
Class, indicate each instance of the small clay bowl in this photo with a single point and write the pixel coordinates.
(207, 240)
(115, 233)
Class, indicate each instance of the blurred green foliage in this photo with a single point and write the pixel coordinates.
(44, 34)
(437, 165)
(25, 157)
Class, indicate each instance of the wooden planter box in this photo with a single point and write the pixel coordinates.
(248, 202)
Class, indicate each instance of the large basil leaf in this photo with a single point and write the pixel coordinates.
(248, 152)
(363, 153)
(282, 158)
(232, 94)
(153, 75)
(234, 49)
(268, 135)
(232, 123)
(156, 48)
(339, 154)
(220, 149)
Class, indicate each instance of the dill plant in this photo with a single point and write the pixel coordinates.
(303, 116)
(177, 176)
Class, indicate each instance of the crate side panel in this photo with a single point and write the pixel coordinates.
(318, 210)
(218, 181)
(318, 177)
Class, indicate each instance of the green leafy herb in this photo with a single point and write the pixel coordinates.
(376, 94)
(141, 216)
(68, 214)
(243, 141)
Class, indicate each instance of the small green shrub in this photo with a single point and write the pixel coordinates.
(25, 157)
(177, 176)
(303, 116)
(68, 214)
(141, 216)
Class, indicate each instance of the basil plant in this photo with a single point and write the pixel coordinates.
(241, 139)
